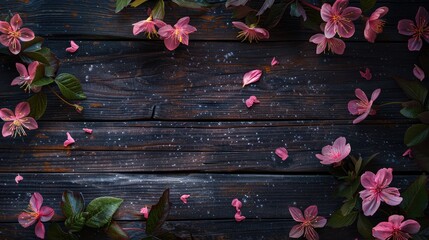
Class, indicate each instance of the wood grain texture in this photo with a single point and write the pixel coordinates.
(96, 19)
(140, 80)
(196, 146)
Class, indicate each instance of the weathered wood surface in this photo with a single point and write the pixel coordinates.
(204, 81)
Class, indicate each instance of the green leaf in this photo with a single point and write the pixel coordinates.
(101, 211)
(424, 117)
(338, 220)
(364, 226)
(121, 4)
(411, 109)
(72, 203)
(115, 232)
(358, 165)
(276, 14)
(196, 4)
(349, 189)
(70, 86)
(366, 5)
(413, 89)
(158, 12)
(368, 160)
(348, 206)
(38, 103)
(55, 233)
(33, 45)
(158, 214)
(42, 82)
(137, 3)
(75, 223)
(415, 198)
(416, 134)
(44, 56)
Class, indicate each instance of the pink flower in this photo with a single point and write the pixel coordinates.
(69, 140)
(274, 62)
(282, 153)
(145, 211)
(251, 33)
(308, 222)
(417, 31)
(374, 25)
(36, 213)
(179, 34)
(362, 107)
(148, 26)
(334, 45)
(18, 178)
(367, 74)
(408, 153)
(12, 33)
(336, 153)
(16, 122)
(251, 100)
(238, 217)
(237, 204)
(339, 18)
(418, 73)
(396, 228)
(251, 77)
(377, 190)
(87, 130)
(184, 198)
(73, 47)
(26, 77)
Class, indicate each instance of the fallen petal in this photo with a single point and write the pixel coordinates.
(73, 47)
(69, 140)
(184, 198)
(408, 153)
(251, 77)
(237, 204)
(251, 100)
(418, 73)
(18, 178)
(238, 217)
(145, 212)
(367, 74)
(282, 153)
(274, 62)
(87, 130)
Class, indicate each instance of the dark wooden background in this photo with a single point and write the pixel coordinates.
(178, 120)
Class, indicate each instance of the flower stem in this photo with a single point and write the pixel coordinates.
(75, 106)
(390, 103)
(310, 5)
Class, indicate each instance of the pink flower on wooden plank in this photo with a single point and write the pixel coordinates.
(308, 222)
(13, 33)
(417, 30)
(251, 33)
(334, 45)
(251, 100)
(179, 34)
(145, 212)
(73, 47)
(184, 198)
(26, 77)
(339, 18)
(336, 153)
(418, 73)
(408, 153)
(367, 74)
(69, 140)
(251, 77)
(282, 153)
(274, 62)
(16, 122)
(237, 204)
(18, 178)
(374, 25)
(362, 106)
(148, 26)
(36, 213)
(87, 130)
(396, 228)
(377, 190)
(238, 217)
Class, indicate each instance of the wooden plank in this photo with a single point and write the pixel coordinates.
(211, 194)
(96, 19)
(139, 80)
(196, 146)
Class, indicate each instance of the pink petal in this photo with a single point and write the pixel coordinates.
(361, 95)
(410, 226)
(415, 43)
(29, 123)
(408, 153)
(240, 25)
(383, 230)
(87, 130)
(251, 77)
(321, 42)
(7, 114)
(396, 220)
(145, 212)
(5, 27)
(391, 196)
(251, 100)
(297, 231)
(26, 219)
(319, 222)
(171, 43)
(5, 40)
(36, 202)
(368, 180)
(274, 62)
(40, 230)
(32, 69)
(69, 140)
(166, 31)
(22, 70)
(352, 13)
(262, 33)
(16, 22)
(384, 177)
(362, 117)
(282, 153)
(15, 46)
(422, 17)
(379, 13)
(73, 47)
(330, 29)
(184, 198)
(238, 217)
(159, 23)
(182, 22)
(6, 130)
(346, 29)
(237, 204)
(22, 110)
(46, 213)
(369, 34)
(326, 12)
(296, 214)
(370, 205)
(406, 27)
(336, 45)
(311, 212)
(367, 74)
(26, 35)
(18, 178)
(418, 73)
(310, 233)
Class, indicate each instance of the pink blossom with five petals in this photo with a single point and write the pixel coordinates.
(179, 34)
(377, 190)
(16, 122)
(251, 33)
(362, 106)
(374, 25)
(13, 33)
(339, 18)
(36, 213)
(148, 26)
(335, 153)
(308, 222)
(26, 77)
(418, 30)
(396, 228)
